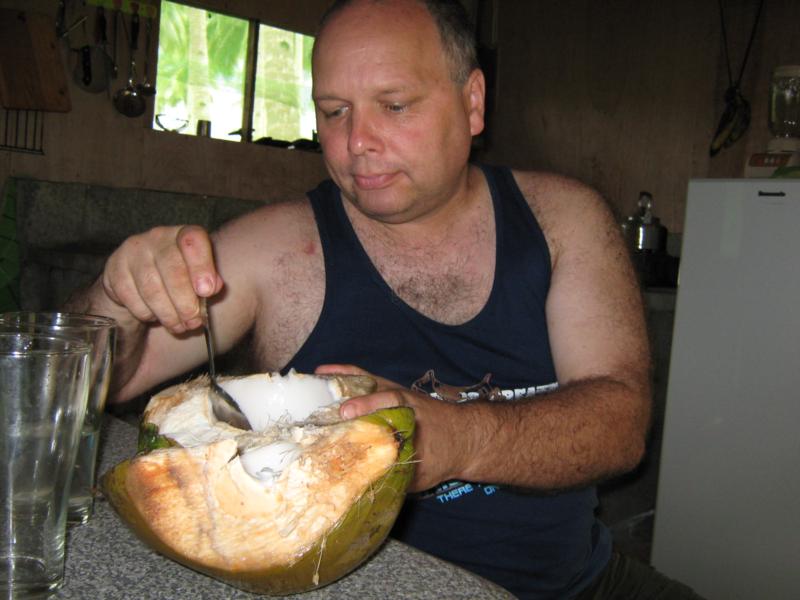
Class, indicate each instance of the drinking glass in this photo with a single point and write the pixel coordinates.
(100, 334)
(43, 395)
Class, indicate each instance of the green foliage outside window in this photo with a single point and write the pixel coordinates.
(202, 57)
(283, 108)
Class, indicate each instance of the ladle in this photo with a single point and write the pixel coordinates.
(127, 100)
(146, 88)
(222, 403)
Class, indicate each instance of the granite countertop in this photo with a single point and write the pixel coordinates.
(106, 560)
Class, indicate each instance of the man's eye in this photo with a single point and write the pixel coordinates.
(335, 112)
(396, 107)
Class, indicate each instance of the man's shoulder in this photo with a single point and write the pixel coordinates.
(275, 217)
(563, 206)
(543, 187)
(269, 232)
(556, 195)
(277, 240)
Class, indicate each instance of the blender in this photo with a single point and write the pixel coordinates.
(783, 149)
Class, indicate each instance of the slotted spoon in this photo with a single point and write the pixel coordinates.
(224, 406)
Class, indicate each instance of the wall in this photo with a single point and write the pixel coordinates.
(626, 94)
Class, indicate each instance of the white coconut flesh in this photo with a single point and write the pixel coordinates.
(237, 500)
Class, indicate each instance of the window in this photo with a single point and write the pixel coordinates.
(283, 108)
(207, 71)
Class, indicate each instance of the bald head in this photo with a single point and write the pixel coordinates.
(451, 20)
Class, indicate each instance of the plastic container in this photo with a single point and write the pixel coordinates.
(784, 102)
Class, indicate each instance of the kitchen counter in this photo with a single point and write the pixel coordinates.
(106, 560)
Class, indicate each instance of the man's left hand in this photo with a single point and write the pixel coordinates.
(440, 444)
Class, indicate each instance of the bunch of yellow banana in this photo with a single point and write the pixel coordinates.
(733, 123)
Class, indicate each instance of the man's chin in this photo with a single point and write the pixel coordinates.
(381, 205)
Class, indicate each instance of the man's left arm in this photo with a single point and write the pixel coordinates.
(595, 424)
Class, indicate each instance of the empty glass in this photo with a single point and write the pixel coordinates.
(100, 334)
(43, 395)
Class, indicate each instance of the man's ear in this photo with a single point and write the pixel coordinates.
(475, 99)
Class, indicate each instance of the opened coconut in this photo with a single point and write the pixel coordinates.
(295, 504)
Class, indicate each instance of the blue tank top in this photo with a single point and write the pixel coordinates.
(536, 546)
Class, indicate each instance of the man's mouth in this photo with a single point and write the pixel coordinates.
(373, 182)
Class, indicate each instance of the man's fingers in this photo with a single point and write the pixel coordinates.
(364, 405)
(198, 254)
(157, 276)
(387, 395)
(195, 275)
(123, 291)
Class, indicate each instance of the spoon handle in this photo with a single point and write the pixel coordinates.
(134, 32)
(212, 372)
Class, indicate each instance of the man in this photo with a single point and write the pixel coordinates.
(415, 261)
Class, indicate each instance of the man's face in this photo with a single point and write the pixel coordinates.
(395, 129)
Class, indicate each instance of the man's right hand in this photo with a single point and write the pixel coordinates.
(158, 275)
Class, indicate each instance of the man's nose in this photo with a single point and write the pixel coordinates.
(364, 134)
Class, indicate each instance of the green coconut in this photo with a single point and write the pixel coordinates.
(293, 505)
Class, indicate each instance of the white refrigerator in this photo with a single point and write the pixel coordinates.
(727, 517)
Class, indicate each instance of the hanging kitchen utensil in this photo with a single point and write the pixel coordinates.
(736, 116)
(147, 88)
(101, 40)
(115, 33)
(82, 73)
(93, 70)
(127, 100)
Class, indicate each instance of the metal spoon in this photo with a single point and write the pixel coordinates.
(224, 406)
(146, 88)
(127, 100)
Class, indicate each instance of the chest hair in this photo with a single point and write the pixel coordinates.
(448, 279)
